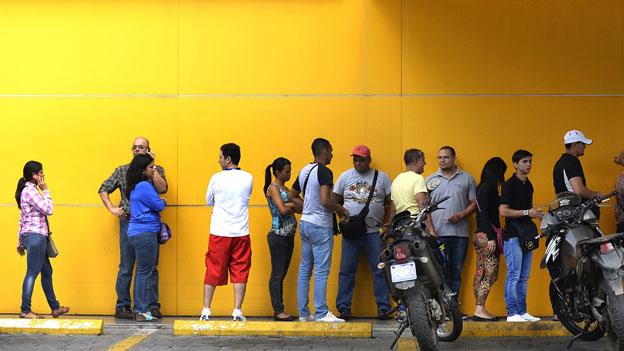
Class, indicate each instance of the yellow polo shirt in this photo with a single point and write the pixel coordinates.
(404, 189)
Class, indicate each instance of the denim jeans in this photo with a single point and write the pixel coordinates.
(316, 252)
(351, 249)
(518, 270)
(37, 262)
(126, 267)
(281, 248)
(455, 248)
(146, 249)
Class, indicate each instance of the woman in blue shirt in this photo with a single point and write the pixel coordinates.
(145, 207)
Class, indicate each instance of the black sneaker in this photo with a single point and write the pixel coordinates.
(345, 314)
(155, 310)
(124, 313)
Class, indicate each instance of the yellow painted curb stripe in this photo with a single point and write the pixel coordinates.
(490, 329)
(52, 326)
(345, 330)
(408, 345)
(132, 340)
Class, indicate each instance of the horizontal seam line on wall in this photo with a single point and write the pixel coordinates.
(298, 95)
(174, 205)
(97, 205)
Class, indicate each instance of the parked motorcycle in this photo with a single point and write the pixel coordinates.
(586, 269)
(415, 276)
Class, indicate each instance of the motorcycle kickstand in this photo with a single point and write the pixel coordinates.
(398, 333)
(577, 336)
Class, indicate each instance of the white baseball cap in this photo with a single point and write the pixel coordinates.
(574, 136)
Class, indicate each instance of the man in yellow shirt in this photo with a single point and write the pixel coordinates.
(408, 190)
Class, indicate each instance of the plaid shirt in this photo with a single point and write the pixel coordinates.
(118, 180)
(36, 207)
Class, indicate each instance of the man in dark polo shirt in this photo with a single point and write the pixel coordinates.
(568, 172)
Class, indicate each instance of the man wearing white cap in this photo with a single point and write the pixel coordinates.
(568, 173)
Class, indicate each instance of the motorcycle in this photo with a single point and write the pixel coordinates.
(415, 276)
(586, 270)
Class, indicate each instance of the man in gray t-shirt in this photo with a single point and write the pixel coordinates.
(352, 191)
(451, 221)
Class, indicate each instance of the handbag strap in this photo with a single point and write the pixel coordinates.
(305, 184)
(48, 224)
(372, 192)
(495, 228)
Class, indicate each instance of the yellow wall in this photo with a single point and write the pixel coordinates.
(80, 79)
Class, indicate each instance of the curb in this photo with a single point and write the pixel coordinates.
(52, 326)
(231, 328)
(490, 329)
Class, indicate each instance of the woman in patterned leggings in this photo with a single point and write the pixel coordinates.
(485, 238)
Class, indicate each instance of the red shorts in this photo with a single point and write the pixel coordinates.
(225, 253)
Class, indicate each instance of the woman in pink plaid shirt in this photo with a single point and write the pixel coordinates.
(33, 234)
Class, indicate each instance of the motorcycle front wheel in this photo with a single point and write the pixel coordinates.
(560, 308)
(419, 319)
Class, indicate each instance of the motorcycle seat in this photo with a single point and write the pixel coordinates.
(600, 240)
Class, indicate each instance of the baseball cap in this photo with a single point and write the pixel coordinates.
(361, 150)
(574, 136)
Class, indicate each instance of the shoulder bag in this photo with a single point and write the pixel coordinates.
(356, 227)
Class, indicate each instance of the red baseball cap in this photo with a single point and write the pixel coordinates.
(361, 150)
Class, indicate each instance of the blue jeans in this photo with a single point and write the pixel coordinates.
(37, 262)
(351, 250)
(316, 252)
(146, 249)
(126, 267)
(455, 248)
(518, 270)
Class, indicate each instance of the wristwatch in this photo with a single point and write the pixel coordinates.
(525, 212)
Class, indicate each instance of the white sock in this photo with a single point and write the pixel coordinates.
(205, 311)
(237, 312)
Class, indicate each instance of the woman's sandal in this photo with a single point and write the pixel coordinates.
(30, 315)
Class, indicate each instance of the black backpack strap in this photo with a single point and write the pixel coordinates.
(305, 184)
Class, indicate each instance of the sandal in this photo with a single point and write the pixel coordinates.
(30, 315)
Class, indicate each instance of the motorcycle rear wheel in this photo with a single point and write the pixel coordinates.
(595, 330)
(452, 328)
(615, 318)
(420, 322)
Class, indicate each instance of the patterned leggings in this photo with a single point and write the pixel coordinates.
(487, 269)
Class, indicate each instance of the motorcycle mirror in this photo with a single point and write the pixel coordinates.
(432, 184)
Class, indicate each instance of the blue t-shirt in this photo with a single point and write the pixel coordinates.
(145, 207)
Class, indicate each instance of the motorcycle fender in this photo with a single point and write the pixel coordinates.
(616, 286)
(611, 260)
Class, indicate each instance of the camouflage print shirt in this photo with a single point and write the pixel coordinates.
(118, 180)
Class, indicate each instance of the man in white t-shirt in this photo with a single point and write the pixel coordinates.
(229, 247)
(352, 190)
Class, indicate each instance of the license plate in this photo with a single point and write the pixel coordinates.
(403, 272)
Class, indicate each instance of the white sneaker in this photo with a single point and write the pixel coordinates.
(237, 315)
(529, 318)
(516, 318)
(307, 319)
(330, 318)
(204, 317)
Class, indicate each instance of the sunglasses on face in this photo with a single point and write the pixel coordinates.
(139, 147)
